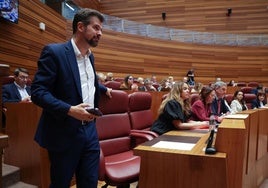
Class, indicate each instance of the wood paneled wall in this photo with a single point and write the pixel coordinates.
(141, 56)
(21, 44)
(248, 16)
(94, 4)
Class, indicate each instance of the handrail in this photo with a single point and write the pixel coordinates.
(186, 36)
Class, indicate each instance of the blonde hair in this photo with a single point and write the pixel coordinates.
(175, 94)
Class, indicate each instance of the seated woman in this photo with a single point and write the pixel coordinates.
(164, 85)
(260, 101)
(238, 103)
(148, 85)
(128, 84)
(201, 109)
(175, 111)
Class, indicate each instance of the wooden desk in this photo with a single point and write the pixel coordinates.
(179, 168)
(241, 160)
(23, 151)
(257, 148)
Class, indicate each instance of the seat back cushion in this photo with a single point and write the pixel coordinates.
(141, 116)
(140, 101)
(117, 104)
(114, 126)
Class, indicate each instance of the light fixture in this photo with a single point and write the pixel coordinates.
(229, 12)
(42, 26)
(69, 6)
(163, 15)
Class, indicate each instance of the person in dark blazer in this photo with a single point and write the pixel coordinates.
(18, 91)
(219, 106)
(64, 85)
(260, 101)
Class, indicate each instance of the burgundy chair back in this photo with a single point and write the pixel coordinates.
(117, 104)
(118, 165)
(8, 80)
(114, 126)
(241, 84)
(140, 113)
(11, 79)
(246, 89)
(229, 98)
(119, 80)
(113, 84)
(249, 97)
(253, 84)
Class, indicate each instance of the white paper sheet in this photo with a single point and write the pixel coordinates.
(236, 116)
(174, 145)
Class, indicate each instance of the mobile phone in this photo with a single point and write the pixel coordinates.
(94, 111)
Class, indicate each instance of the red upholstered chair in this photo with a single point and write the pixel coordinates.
(229, 98)
(241, 84)
(246, 89)
(11, 79)
(249, 97)
(118, 165)
(253, 84)
(119, 80)
(140, 113)
(8, 80)
(112, 84)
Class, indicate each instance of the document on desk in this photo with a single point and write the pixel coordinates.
(236, 116)
(174, 145)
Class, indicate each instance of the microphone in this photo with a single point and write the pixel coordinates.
(210, 149)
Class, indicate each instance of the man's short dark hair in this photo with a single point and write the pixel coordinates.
(18, 70)
(84, 16)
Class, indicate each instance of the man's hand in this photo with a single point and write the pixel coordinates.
(27, 99)
(109, 92)
(79, 112)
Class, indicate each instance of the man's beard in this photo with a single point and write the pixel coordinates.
(92, 42)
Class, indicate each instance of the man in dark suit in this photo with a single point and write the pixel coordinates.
(18, 91)
(219, 106)
(64, 85)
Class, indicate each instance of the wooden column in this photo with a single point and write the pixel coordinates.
(4, 71)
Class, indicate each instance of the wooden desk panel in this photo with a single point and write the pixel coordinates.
(231, 139)
(23, 151)
(262, 142)
(252, 137)
(179, 168)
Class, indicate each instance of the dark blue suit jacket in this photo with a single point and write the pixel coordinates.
(55, 88)
(256, 103)
(10, 93)
(223, 108)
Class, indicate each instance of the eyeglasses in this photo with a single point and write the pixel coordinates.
(130, 78)
(23, 77)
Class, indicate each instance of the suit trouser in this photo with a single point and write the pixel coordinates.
(81, 159)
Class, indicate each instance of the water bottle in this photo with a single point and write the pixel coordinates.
(212, 122)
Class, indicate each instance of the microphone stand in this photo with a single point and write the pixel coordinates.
(210, 149)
